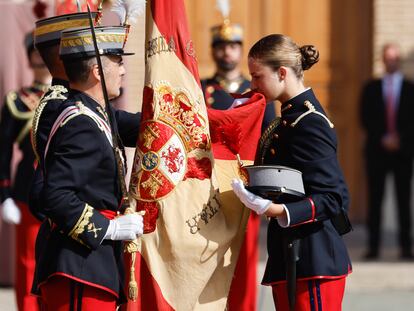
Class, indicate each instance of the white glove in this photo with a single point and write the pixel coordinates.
(125, 227)
(252, 201)
(10, 212)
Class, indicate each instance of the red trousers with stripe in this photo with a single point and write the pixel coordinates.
(60, 293)
(312, 295)
(26, 233)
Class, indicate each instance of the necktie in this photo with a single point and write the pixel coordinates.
(390, 106)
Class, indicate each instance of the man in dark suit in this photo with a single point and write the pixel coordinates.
(387, 107)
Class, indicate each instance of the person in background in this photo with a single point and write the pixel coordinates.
(386, 110)
(306, 141)
(227, 54)
(15, 125)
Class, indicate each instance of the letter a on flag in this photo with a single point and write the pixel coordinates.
(193, 231)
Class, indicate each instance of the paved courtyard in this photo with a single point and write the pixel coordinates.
(387, 284)
(381, 286)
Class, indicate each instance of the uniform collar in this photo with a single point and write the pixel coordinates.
(88, 101)
(296, 103)
(57, 81)
(85, 98)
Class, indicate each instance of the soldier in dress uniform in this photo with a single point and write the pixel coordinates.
(47, 40)
(79, 250)
(15, 125)
(227, 53)
(305, 141)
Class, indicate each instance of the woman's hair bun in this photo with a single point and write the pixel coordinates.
(310, 56)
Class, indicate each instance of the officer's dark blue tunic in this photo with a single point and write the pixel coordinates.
(308, 143)
(81, 181)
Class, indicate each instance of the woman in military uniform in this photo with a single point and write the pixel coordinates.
(304, 140)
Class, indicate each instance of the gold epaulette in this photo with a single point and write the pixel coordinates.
(54, 92)
(311, 109)
(19, 115)
(15, 112)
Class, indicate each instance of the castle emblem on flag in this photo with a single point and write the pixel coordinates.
(161, 159)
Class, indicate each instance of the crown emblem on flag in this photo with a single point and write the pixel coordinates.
(180, 112)
(177, 129)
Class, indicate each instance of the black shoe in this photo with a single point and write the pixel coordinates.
(371, 255)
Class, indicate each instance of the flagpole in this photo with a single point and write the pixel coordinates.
(131, 246)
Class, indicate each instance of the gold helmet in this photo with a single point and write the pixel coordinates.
(226, 31)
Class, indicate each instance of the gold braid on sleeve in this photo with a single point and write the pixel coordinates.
(82, 222)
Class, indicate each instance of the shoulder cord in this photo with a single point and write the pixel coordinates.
(19, 115)
(311, 109)
(56, 92)
(73, 111)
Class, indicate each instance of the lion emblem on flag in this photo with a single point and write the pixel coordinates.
(161, 159)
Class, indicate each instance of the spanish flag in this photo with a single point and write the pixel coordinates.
(181, 176)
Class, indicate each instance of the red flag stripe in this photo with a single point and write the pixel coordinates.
(236, 131)
(171, 20)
